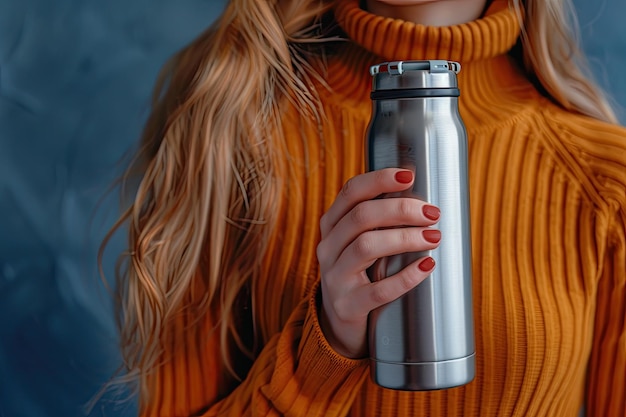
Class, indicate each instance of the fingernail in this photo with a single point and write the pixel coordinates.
(427, 264)
(432, 235)
(404, 177)
(431, 212)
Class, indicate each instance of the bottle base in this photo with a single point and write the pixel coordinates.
(423, 376)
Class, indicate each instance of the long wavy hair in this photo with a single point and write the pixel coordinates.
(211, 161)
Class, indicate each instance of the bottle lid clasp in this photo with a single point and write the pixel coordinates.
(399, 67)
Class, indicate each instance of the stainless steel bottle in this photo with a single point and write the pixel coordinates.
(425, 339)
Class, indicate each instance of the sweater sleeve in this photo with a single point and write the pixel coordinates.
(602, 150)
(296, 374)
(597, 153)
(607, 373)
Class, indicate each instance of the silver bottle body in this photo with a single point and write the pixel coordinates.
(425, 339)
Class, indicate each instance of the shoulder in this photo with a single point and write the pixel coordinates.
(595, 152)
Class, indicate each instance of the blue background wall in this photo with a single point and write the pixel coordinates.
(75, 77)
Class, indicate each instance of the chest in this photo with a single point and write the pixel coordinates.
(532, 288)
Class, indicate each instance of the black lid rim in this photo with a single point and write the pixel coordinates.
(414, 93)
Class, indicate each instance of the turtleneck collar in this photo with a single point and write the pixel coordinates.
(493, 86)
(391, 39)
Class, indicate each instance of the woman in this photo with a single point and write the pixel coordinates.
(245, 292)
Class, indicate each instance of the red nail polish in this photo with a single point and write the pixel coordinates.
(404, 177)
(427, 264)
(432, 235)
(431, 212)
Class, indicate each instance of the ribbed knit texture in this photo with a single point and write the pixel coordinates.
(548, 212)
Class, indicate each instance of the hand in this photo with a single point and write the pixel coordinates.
(356, 231)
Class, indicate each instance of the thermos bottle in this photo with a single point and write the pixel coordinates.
(425, 339)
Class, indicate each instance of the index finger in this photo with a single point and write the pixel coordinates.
(364, 187)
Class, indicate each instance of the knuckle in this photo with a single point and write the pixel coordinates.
(406, 207)
(324, 223)
(407, 237)
(379, 295)
(346, 190)
(407, 281)
(321, 252)
(358, 215)
(363, 246)
(380, 176)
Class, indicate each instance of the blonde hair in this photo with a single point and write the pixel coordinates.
(551, 52)
(203, 211)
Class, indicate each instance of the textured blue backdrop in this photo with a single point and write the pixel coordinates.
(75, 77)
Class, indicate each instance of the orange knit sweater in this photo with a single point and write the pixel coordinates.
(548, 211)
